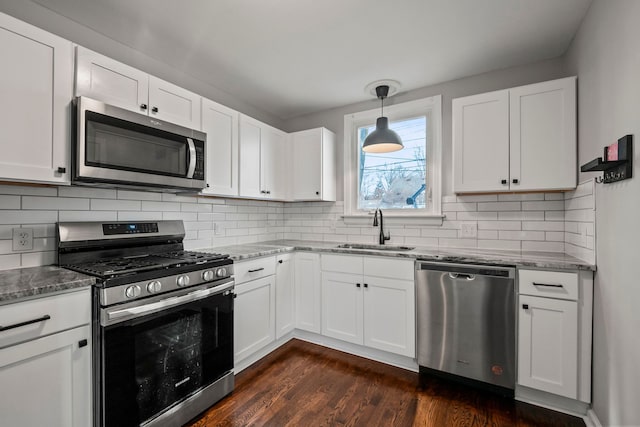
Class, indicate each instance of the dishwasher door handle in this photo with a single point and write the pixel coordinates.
(469, 277)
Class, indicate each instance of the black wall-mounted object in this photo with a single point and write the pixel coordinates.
(614, 170)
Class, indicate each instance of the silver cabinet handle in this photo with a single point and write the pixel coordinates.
(28, 322)
(257, 269)
(548, 285)
(192, 158)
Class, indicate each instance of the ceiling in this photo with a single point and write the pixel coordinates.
(294, 57)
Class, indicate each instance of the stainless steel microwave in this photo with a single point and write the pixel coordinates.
(120, 148)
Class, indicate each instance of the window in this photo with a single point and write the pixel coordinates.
(403, 183)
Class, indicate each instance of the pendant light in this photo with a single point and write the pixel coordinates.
(383, 139)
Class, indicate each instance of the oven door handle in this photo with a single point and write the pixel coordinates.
(126, 313)
(192, 158)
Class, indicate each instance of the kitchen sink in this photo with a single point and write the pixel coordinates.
(374, 247)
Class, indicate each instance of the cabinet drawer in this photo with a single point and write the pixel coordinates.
(341, 263)
(254, 269)
(65, 311)
(389, 267)
(553, 284)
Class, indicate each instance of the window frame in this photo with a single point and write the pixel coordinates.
(430, 107)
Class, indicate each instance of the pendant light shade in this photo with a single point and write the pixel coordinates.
(383, 139)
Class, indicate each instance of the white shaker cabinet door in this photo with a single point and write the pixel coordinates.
(389, 315)
(548, 345)
(47, 381)
(36, 83)
(112, 82)
(481, 142)
(285, 295)
(253, 316)
(308, 291)
(250, 136)
(543, 136)
(274, 164)
(342, 306)
(220, 123)
(174, 104)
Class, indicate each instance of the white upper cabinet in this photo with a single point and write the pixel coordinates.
(263, 160)
(481, 142)
(314, 170)
(519, 139)
(221, 126)
(115, 83)
(37, 87)
(543, 136)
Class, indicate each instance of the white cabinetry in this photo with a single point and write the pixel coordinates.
(221, 126)
(35, 105)
(254, 310)
(518, 139)
(369, 301)
(112, 82)
(307, 291)
(554, 332)
(314, 170)
(263, 160)
(285, 302)
(47, 363)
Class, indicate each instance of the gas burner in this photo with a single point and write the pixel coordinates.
(192, 256)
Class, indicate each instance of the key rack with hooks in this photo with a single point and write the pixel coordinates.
(617, 164)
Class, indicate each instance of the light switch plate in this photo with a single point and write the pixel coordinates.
(469, 231)
(22, 239)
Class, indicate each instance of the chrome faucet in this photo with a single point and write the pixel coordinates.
(375, 223)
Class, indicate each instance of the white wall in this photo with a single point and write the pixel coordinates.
(606, 56)
(501, 79)
(44, 18)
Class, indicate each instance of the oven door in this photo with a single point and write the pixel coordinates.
(159, 354)
(118, 146)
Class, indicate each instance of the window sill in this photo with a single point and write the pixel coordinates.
(391, 219)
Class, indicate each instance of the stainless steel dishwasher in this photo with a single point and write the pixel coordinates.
(466, 323)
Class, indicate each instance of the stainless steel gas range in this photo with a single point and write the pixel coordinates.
(163, 320)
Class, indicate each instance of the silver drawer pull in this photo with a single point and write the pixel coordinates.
(28, 322)
(548, 285)
(257, 269)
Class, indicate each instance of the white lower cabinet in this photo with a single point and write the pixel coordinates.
(307, 291)
(285, 295)
(46, 380)
(255, 308)
(554, 332)
(369, 301)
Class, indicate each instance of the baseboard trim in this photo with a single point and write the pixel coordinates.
(591, 419)
(552, 401)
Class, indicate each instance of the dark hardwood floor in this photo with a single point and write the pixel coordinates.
(302, 384)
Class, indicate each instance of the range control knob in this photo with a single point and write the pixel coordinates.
(221, 272)
(207, 275)
(154, 287)
(132, 291)
(182, 281)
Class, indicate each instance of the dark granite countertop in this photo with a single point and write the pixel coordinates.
(27, 282)
(550, 260)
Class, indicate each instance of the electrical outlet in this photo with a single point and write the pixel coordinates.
(469, 231)
(22, 239)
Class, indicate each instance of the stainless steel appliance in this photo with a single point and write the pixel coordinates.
(117, 147)
(163, 321)
(466, 323)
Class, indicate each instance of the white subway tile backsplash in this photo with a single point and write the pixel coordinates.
(54, 203)
(521, 216)
(499, 206)
(9, 202)
(487, 235)
(9, 261)
(554, 216)
(499, 225)
(476, 216)
(554, 236)
(543, 246)
(28, 190)
(554, 196)
(553, 205)
(195, 207)
(520, 197)
(115, 205)
(28, 217)
(33, 259)
(185, 216)
(543, 225)
(521, 235)
(160, 206)
(585, 202)
(461, 206)
(479, 198)
(510, 245)
(139, 216)
(6, 246)
(6, 231)
(68, 216)
(87, 192)
(139, 195)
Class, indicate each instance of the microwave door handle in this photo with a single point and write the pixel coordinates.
(192, 158)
